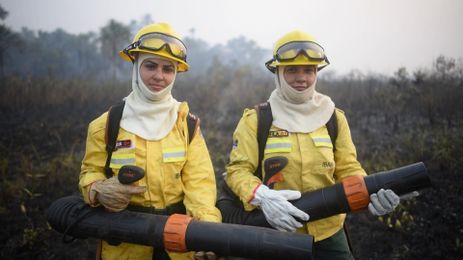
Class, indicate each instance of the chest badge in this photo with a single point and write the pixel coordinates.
(278, 133)
(121, 144)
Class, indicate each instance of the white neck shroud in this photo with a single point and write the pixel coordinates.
(148, 114)
(299, 111)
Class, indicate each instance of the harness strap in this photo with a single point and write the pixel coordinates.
(264, 123)
(112, 130)
(192, 124)
(332, 127)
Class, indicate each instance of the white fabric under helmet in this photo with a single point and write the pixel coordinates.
(298, 111)
(149, 114)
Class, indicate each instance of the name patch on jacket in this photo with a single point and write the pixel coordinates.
(121, 144)
(278, 133)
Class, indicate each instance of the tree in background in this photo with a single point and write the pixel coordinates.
(8, 38)
(444, 67)
(136, 25)
(114, 37)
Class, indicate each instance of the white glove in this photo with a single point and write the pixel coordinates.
(383, 202)
(277, 210)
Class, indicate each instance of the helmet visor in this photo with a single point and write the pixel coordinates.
(157, 41)
(291, 50)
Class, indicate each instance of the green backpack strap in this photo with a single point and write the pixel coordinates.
(112, 130)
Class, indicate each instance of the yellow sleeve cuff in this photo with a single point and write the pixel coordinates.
(86, 181)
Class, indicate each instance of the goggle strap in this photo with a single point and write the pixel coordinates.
(132, 46)
(326, 60)
(267, 64)
(327, 63)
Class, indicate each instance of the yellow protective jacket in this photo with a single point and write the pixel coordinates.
(175, 171)
(312, 164)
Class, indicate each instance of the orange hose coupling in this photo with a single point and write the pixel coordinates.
(356, 193)
(175, 231)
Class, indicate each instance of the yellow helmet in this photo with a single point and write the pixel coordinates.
(297, 48)
(159, 39)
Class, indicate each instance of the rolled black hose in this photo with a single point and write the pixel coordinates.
(332, 200)
(73, 216)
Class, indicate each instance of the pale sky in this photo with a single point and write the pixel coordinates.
(369, 35)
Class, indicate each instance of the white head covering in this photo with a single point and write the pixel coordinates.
(148, 114)
(298, 111)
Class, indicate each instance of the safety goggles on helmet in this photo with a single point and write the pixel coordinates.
(157, 41)
(291, 50)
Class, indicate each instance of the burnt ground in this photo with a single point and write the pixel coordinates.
(41, 150)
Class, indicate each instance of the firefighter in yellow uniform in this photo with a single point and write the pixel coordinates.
(299, 133)
(153, 135)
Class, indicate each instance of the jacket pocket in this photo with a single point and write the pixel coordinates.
(321, 140)
(173, 154)
(278, 145)
(122, 157)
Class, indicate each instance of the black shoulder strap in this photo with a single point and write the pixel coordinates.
(192, 122)
(264, 122)
(112, 130)
(332, 127)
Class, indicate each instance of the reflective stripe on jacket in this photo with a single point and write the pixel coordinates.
(174, 171)
(312, 164)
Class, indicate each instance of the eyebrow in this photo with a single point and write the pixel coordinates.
(152, 62)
